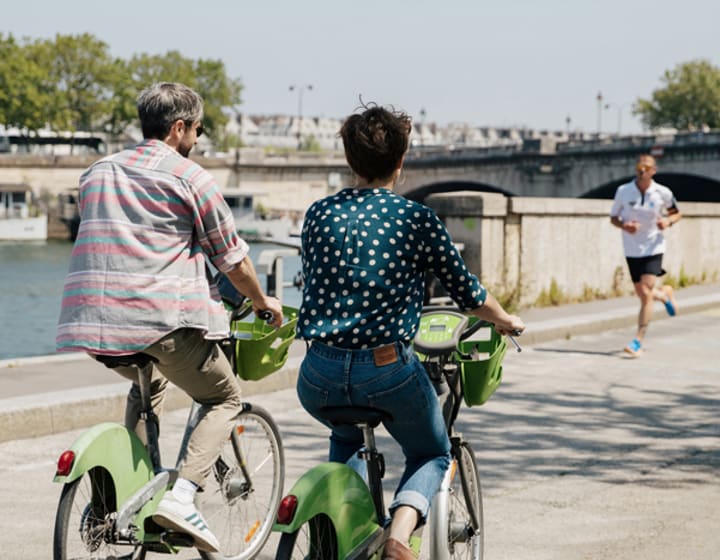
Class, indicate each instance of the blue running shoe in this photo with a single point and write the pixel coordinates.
(634, 348)
(670, 305)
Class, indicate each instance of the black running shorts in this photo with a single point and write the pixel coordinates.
(645, 265)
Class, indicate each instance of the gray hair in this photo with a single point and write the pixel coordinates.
(164, 103)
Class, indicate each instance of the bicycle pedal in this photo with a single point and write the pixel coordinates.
(176, 538)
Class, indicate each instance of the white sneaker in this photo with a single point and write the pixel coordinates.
(173, 514)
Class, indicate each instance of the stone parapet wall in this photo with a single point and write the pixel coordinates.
(523, 245)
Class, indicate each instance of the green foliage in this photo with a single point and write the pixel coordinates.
(24, 93)
(689, 100)
(227, 142)
(80, 73)
(310, 144)
(207, 77)
(683, 279)
(73, 83)
(552, 296)
(618, 282)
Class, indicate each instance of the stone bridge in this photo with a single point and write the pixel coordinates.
(688, 163)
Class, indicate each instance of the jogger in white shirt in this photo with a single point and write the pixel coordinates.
(643, 208)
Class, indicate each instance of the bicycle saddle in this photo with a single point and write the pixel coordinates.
(341, 415)
(140, 360)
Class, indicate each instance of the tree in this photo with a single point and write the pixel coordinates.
(310, 144)
(207, 77)
(217, 90)
(83, 75)
(24, 93)
(72, 83)
(689, 100)
(123, 110)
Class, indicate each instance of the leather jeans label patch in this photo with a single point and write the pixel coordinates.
(385, 355)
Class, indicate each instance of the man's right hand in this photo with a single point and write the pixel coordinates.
(273, 305)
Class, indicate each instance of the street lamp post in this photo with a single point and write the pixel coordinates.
(300, 89)
(423, 113)
(599, 98)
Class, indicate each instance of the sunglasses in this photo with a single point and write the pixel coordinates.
(643, 168)
(199, 131)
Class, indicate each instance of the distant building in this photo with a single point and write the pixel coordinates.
(281, 131)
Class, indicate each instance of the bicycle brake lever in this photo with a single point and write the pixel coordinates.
(515, 343)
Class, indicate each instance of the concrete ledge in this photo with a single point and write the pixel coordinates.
(56, 412)
(589, 323)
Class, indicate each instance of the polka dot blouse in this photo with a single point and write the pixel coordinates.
(364, 257)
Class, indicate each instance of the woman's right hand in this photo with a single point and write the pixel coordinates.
(512, 326)
(492, 312)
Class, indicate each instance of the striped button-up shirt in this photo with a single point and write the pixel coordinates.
(149, 219)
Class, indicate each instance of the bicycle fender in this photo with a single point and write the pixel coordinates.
(117, 450)
(337, 491)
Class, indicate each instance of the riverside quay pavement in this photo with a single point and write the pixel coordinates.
(584, 453)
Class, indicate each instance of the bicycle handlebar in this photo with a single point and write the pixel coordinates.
(245, 308)
(266, 315)
(476, 326)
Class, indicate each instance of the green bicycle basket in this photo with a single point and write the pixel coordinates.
(481, 376)
(260, 349)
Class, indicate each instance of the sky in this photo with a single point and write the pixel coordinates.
(527, 63)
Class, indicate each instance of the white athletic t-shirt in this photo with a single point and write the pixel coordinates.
(631, 204)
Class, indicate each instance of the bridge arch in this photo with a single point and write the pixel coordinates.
(419, 194)
(686, 187)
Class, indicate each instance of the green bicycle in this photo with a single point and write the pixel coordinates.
(331, 513)
(112, 483)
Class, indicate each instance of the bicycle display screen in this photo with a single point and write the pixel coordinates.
(440, 330)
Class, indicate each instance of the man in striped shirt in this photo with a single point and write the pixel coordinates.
(138, 282)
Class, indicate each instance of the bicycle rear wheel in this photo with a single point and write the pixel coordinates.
(456, 517)
(314, 540)
(242, 494)
(85, 518)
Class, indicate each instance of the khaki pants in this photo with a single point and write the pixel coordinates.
(199, 368)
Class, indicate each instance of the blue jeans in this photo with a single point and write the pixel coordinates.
(332, 376)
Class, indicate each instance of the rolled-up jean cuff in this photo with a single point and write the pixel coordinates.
(413, 499)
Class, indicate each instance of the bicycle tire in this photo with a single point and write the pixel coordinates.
(456, 518)
(241, 512)
(84, 521)
(313, 540)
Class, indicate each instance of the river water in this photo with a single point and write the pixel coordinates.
(31, 283)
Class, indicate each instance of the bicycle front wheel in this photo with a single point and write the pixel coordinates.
(85, 518)
(456, 518)
(314, 540)
(243, 492)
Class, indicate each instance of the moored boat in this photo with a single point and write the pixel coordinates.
(20, 220)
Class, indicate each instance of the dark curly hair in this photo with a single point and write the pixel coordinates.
(375, 141)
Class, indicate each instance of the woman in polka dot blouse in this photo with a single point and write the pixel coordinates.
(365, 252)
